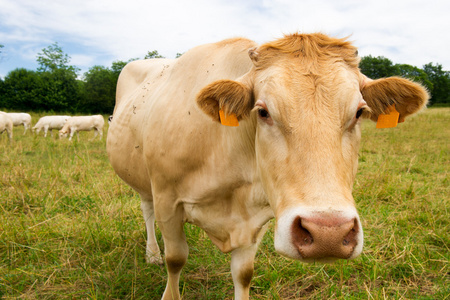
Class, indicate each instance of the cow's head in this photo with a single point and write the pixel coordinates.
(64, 132)
(308, 96)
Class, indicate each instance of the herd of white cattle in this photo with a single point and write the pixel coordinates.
(67, 125)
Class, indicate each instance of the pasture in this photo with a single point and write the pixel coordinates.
(71, 229)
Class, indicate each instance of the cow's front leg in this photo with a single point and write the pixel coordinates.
(175, 251)
(242, 270)
(71, 134)
(152, 252)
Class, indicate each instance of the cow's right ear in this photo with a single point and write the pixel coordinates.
(233, 97)
(409, 97)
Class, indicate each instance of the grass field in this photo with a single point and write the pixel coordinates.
(71, 229)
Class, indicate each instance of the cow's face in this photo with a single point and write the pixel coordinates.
(308, 102)
(307, 140)
(62, 133)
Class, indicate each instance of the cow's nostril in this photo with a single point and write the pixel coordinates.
(301, 234)
(350, 238)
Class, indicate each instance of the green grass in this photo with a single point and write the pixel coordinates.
(71, 229)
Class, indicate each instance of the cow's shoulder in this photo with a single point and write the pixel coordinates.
(137, 72)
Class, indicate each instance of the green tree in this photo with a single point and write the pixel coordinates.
(117, 66)
(153, 54)
(2, 92)
(21, 90)
(99, 90)
(59, 89)
(53, 58)
(377, 67)
(440, 79)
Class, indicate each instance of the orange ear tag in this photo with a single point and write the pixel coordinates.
(390, 120)
(228, 120)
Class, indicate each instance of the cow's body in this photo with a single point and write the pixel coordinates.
(293, 157)
(49, 123)
(21, 119)
(6, 124)
(83, 123)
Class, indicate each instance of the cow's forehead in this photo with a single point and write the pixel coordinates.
(304, 63)
(291, 90)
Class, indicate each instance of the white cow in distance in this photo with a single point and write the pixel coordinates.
(83, 123)
(6, 124)
(49, 123)
(20, 119)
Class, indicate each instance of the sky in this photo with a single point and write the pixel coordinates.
(99, 32)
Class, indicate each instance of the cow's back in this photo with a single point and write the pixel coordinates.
(157, 124)
(99, 121)
(20, 118)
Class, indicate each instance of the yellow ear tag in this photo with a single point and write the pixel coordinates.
(390, 120)
(228, 120)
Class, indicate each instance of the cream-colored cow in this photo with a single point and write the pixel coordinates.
(21, 119)
(299, 101)
(83, 123)
(49, 123)
(6, 124)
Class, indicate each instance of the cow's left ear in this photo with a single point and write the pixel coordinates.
(409, 97)
(233, 97)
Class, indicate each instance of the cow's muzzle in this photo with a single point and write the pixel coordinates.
(324, 235)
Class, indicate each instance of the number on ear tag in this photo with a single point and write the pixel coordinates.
(390, 120)
(228, 120)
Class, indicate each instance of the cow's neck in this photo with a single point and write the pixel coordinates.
(229, 203)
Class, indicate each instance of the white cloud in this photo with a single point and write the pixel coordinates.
(97, 32)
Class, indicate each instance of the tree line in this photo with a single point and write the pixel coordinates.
(432, 76)
(55, 85)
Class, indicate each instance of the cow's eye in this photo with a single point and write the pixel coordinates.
(359, 112)
(264, 114)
